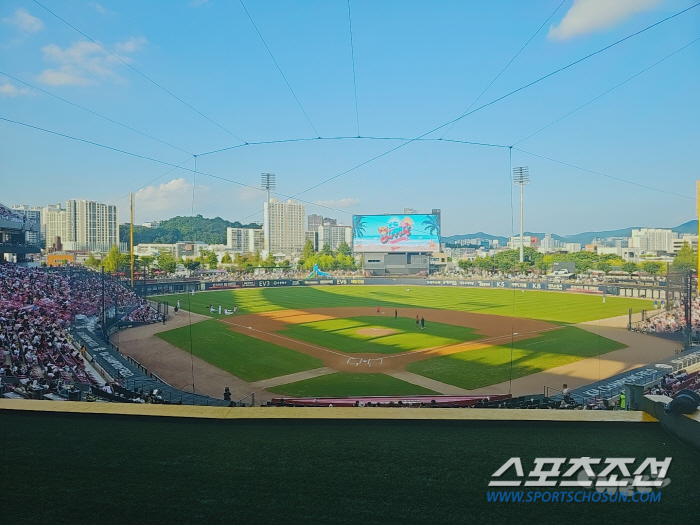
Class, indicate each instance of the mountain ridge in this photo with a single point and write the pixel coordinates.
(583, 238)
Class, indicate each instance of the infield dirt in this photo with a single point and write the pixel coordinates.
(177, 366)
(494, 329)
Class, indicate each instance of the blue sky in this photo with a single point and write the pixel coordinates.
(418, 65)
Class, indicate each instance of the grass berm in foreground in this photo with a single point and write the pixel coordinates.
(169, 470)
(489, 366)
(344, 384)
(341, 334)
(246, 357)
(546, 306)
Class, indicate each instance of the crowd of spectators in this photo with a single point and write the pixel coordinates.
(36, 309)
(7, 214)
(144, 313)
(671, 320)
(673, 383)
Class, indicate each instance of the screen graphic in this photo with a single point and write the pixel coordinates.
(396, 233)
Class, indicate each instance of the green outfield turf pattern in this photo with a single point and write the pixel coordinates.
(246, 357)
(343, 384)
(169, 470)
(488, 366)
(341, 334)
(547, 306)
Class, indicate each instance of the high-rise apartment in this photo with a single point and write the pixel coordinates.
(334, 236)
(653, 239)
(32, 215)
(245, 240)
(91, 226)
(315, 220)
(285, 223)
(54, 226)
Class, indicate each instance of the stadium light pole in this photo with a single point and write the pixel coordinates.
(521, 177)
(510, 379)
(267, 182)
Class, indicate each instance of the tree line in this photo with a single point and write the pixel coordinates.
(327, 259)
(508, 261)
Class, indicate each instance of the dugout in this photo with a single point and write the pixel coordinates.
(403, 263)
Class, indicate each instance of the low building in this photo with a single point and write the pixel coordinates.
(677, 244)
(528, 242)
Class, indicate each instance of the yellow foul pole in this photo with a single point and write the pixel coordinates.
(131, 240)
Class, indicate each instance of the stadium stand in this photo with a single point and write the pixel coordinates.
(42, 355)
(13, 235)
(672, 320)
(537, 401)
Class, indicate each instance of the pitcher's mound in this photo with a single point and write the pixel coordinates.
(375, 331)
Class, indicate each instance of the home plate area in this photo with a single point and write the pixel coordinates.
(357, 361)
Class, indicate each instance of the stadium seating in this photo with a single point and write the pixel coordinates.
(37, 308)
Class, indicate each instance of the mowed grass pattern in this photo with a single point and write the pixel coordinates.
(246, 357)
(341, 334)
(546, 306)
(488, 366)
(343, 384)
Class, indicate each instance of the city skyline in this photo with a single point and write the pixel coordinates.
(417, 66)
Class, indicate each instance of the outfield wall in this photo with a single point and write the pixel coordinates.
(642, 291)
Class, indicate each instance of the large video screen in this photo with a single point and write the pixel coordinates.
(396, 233)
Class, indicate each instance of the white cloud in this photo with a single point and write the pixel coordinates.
(98, 8)
(251, 194)
(169, 199)
(23, 21)
(86, 63)
(586, 16)
(66, 76)
(131, 45)
(10, 90)
(340, 203)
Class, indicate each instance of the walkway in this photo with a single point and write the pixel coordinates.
(177, 367)
(293, 378)
(426, 382)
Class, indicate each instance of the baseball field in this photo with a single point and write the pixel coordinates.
(390, 340)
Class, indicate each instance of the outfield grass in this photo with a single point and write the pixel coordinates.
(341, 334)
(343, 384)
(488, 366)
(169, 470)
(246, 357)
(547, 306)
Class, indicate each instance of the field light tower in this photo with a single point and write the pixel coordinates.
(521, 176)
(267, 182)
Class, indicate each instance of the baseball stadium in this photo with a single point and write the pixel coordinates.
(242, 348)
(349, 402)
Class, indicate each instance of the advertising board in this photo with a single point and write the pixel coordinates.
(396, 233)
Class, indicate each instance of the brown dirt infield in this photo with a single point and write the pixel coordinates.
(175, 365)
(494, 328)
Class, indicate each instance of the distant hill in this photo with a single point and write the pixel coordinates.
(687, 227)
(210, 231)
(583, 238)
(502, 241)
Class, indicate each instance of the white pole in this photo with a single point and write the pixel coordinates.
(521, 222)
(266, 244)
